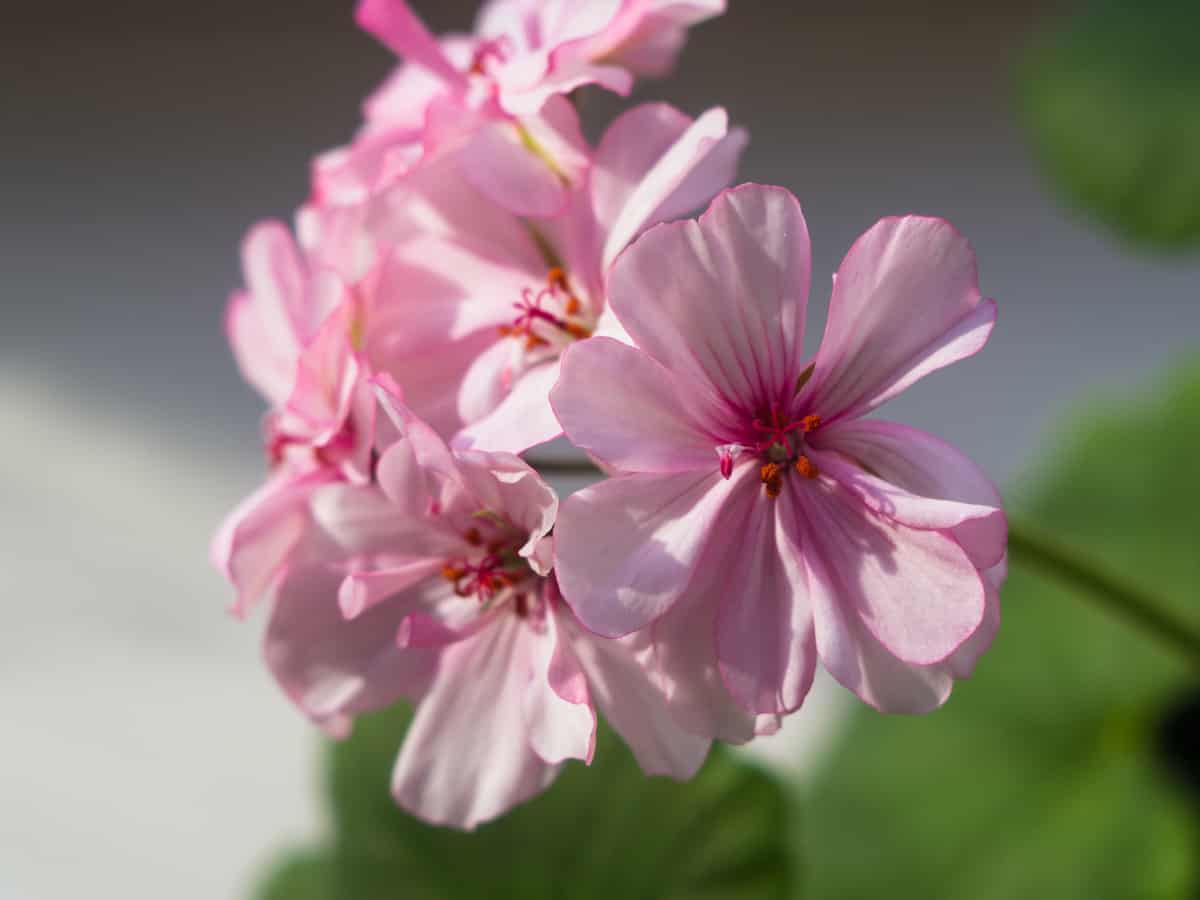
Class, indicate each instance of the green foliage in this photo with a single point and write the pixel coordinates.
(604, 831)
(1112, 103)
(1040, 779)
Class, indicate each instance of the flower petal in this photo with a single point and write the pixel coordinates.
(498, 162)
(621, 406)
(721, 300)
(466, 758)
(926, 466)
(983, 528)
(627, 547)
(655, 164)
(332, 667)
(398, 28)
(362, 590)
(905, 303)
(688, 673)
(764, 635)
(269, 531)
(557, 704)
(916, 592)
(523, 419)
(620, 673)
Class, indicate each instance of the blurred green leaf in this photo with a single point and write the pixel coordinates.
(1040, 778)
(300, 876)
(604, 831)
(1112, 103)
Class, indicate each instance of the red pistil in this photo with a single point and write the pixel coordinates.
(483, 580)
(777, 430)
(530, 310)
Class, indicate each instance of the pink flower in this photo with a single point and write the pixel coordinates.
(490, 300)
(448, 596)
(496, 100)
(297, 333)
(759, 521)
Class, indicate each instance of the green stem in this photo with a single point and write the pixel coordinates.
(1034, 547)
(1109, 589)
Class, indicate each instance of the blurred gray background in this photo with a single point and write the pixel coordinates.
(144, 752)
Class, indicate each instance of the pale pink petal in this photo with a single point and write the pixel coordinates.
(524, 419)
(331, 667)
(905, 303)
(627, 547)
(927, 466)
(981, 529)
(275, 278)
(265, 533)
(764, 637)
(560, 81)
(500, 163)
(396, 26)
(488, 380)
(362, 590)
(362, 520)
(916, 592)
(720, 301)
(683, 176)
(466, 758)
(620, 675)
(266, 364)
(961, 663)
(621, 406)
(652, 46)
(686, 668)
(848, 649)
(558, 711)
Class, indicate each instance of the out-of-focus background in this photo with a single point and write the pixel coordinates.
(143, 751)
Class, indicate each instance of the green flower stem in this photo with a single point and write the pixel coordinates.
(1033, 547)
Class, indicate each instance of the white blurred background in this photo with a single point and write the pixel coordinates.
(143, 751)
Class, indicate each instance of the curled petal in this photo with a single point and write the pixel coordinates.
(905, 303)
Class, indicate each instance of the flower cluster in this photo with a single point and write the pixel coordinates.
(472, 278)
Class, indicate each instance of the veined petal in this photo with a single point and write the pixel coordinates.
(360, 591)
(623, 407)
(721, 300)
(626, 548)
(764, 635)
(363, 520)
(916, 592)
(500, 162)
(905, 303)
(466, 758)
(928, 466)
(620, 673)
(657, 179)
(982, 527)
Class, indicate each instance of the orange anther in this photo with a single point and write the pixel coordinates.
(573, 305)
(805, 467)
(810, 423)
(557, 278)
(772, 477)
(579, 332)
(452, 573)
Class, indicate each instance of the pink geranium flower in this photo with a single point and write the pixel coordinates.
(490, 300)
(444, 592)
(759, 522)
(297, 332)
(496, 99)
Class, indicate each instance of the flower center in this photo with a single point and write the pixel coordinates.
(495, 575)
(549, 318)
(497, 50)
(780, 449)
